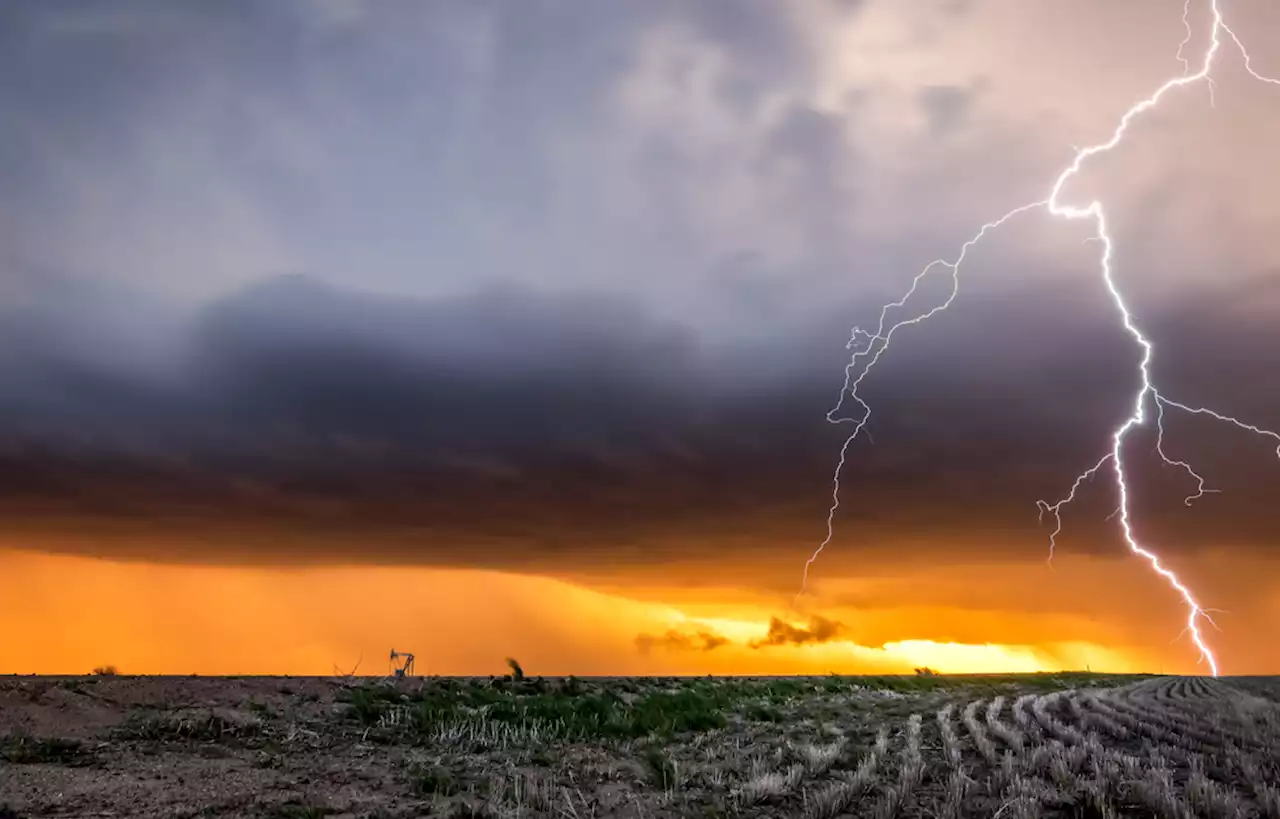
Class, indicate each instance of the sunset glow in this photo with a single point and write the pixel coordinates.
(68, 614)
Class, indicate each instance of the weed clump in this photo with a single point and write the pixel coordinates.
(209, 726)
(433, 780)
(294, 810)
(662, 769)
(19, 749)
(367, 704)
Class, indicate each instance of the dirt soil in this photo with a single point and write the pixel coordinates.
(1044, 745)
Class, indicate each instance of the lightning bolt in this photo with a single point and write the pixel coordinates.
(872, 346)
(1186, 40)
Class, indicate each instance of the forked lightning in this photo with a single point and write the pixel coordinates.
(871, 346)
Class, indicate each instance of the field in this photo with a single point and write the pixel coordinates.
(920, 746)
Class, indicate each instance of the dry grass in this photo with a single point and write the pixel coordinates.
(927, 746)
(979, 735)
(839, 796)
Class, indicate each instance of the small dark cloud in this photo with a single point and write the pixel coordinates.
(957, 8)
(676, 640)
(946, 107)
(811, 135)
(820, 630)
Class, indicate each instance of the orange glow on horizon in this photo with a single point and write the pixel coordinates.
(64, 614)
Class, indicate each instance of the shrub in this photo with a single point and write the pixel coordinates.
(517, 673)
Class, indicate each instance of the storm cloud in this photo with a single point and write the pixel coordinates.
(677, 640)
(545, 284)
(781, 633)
(545, 427)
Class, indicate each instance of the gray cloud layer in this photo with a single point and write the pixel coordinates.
(567, 423)
(575, 275)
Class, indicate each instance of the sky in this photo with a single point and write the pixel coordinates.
(486, 329)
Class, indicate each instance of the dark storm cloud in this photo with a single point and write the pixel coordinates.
(676, 640)
(820, 630)
(507, 428)
(669, 223)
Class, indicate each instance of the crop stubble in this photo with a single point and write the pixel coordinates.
(950, 747)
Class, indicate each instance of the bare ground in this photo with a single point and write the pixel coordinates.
(1009, 746)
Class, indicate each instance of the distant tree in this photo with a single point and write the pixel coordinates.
(926, 672)
(105, 671)
(517, 672)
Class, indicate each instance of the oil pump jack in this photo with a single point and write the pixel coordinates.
(405, 666)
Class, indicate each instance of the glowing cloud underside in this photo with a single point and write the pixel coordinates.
(871, 346)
